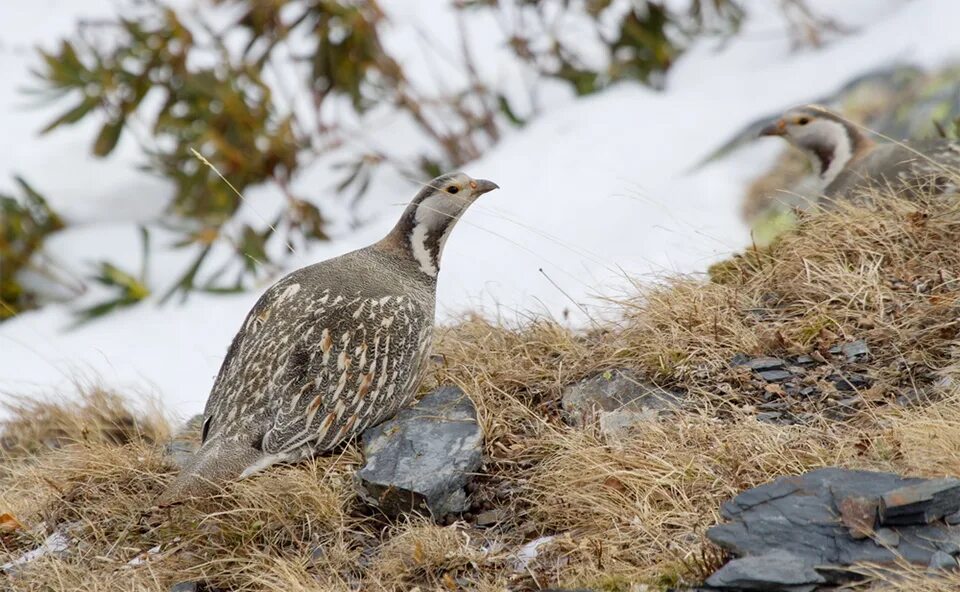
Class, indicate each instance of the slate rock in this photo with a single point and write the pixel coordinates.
(775, 571)
(824, 520)
(921, 503)
(614, 391)
(422, 459)
(775, 375)
(942, 561)
(855, 350)
(850, 381)
(760, 364)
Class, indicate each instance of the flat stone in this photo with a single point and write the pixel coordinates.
(185, 587)
(921, 503)
(942, 562)
(851, 381)
(777, 571)
(421, 460)
(763, 363)
(584, 403)
(887, 537)
(855, 349)
(775, 375)
(859, 515)
(826, 518)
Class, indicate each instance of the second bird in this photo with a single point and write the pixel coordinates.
(330, 349)
(847, 161)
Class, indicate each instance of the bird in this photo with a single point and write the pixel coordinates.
(329, 350)
(847, 162)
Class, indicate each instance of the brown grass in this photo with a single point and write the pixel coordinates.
(620, 513)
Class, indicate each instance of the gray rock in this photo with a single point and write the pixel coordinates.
(921, 503)
(614, 390)
(185, 587)
(775, 375)
(851, 381)
(825, 519)
(855, 350)
(760, 364)
(887, 537)
(774, 572)
(942, 561)
(422, 459)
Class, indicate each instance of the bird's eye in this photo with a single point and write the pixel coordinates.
(803, 121)
(453, 189)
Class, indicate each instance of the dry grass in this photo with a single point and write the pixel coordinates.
(619, 513)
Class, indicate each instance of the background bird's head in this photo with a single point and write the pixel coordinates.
(829, 140)
(425, 225)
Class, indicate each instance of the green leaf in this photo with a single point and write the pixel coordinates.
(108, 137)
(71, 116)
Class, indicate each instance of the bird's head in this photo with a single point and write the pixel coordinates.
(426, 223)
(828, 140)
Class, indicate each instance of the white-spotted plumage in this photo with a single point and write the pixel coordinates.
(329, 350)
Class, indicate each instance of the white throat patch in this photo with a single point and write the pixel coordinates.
(825, 134)
(434, 214)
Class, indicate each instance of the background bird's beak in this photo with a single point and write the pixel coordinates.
(484, 186)
(776, 128)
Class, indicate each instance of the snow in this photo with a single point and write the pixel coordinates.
(595, 190)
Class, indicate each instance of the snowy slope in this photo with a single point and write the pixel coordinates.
(593, 189)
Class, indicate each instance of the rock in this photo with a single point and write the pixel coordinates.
(185, 587)
(422, 459)
(760, 364)
(491, 517)
(774, 572)
(921, 503)
(942, 561)
(614, 390)
(850, 382)
(887, 537)
(824, 520)
(854, 350)
(617, 425)
(775, 375)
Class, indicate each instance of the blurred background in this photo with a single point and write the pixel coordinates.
(163, 162)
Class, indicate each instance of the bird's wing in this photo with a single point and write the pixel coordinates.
(351, 368)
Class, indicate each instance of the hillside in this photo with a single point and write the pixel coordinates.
(620, 510)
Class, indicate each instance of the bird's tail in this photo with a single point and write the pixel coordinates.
(217, 462)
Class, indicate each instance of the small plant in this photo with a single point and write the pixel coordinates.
(129, 289)
(25, 222)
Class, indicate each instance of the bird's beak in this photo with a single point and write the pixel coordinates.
(775, 128)
(484, 186)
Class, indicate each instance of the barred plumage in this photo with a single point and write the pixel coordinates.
(330, 349)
